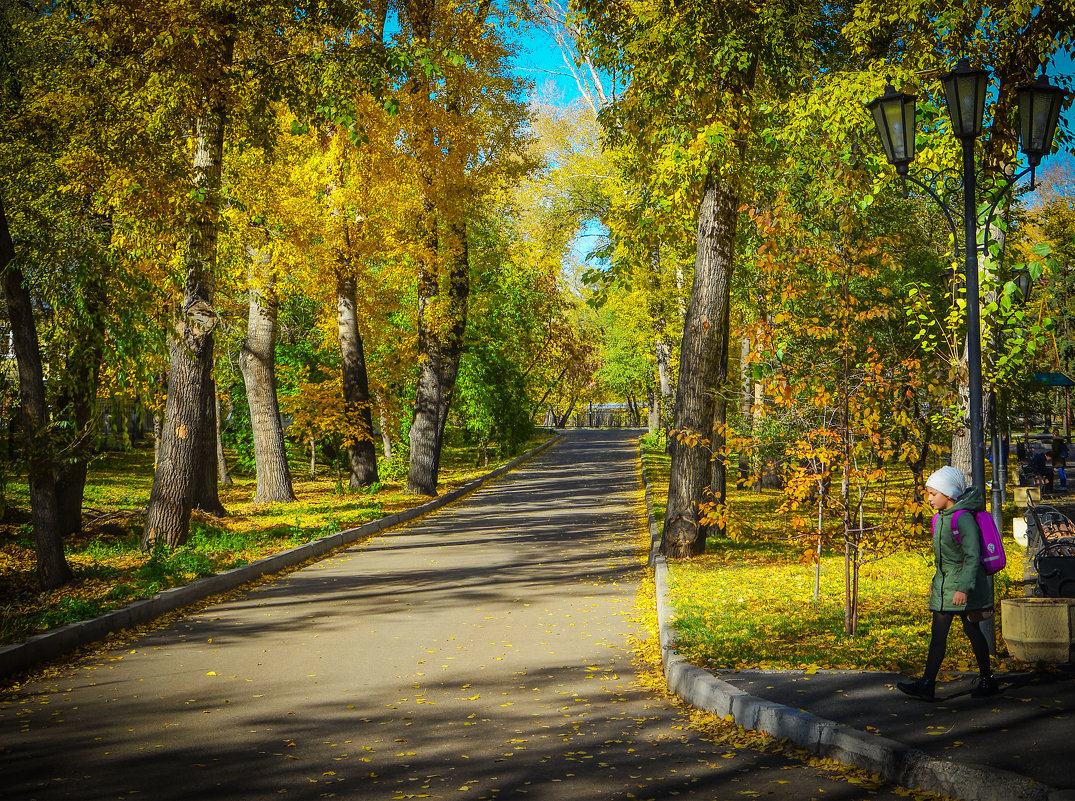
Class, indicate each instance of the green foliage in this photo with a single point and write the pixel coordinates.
(167, 567)
(493, 401)
(71, 610)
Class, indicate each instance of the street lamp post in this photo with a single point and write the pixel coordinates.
(964, 93)
(965, 90)
(1024, 283)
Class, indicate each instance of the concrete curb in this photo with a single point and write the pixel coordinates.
(894, 761)
(51, 644)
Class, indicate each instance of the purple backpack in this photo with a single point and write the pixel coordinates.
(991, 554)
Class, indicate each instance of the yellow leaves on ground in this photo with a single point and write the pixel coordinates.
(749, 603)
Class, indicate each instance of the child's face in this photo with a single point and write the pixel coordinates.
(938, 500)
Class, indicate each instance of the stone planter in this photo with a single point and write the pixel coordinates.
(1039, 629)
(1019, 530)
(1027, 496)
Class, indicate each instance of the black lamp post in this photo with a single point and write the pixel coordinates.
(965, 89)
(1024, 283)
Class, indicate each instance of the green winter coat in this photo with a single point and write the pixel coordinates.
(957, 565)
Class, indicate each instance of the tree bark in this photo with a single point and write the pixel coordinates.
(223, 476)
(189, 409)
(746, 402)
(206, 468)
(440, 344)
(257, 363)
(718, 478)
(356, 387)
(386, 437)
(701, 366)
(52, 568)
(662, 348)
(78, 404)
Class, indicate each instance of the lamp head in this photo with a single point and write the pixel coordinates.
(964, 94)
(894, 115)
(1039, 110)
(1022, 278)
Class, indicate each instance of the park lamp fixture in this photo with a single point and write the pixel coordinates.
(1039, 110)
(965, 89)
(894, 116)
(1024, 281)
(964, 94)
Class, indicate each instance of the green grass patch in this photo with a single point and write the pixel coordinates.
(111, 570)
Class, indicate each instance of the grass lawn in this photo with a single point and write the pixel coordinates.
(748, 602)
(111, 570)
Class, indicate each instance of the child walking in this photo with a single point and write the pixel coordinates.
(960, 586)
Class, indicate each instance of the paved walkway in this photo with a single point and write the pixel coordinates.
(1027, 729)
(482, 652)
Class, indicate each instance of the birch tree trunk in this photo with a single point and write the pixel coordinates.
(223, 476)
(386, 437)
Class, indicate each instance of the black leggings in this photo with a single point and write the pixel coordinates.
(938, 643)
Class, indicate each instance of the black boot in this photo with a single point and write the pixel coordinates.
(919, 688)
(986, 686)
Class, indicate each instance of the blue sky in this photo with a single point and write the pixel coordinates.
(539, 61)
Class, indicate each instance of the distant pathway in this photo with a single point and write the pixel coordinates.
(480, 653)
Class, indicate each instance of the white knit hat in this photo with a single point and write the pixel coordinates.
(948, 481)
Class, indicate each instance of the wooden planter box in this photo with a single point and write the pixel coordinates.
(1039, 629)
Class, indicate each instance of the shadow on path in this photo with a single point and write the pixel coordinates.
(482, 652)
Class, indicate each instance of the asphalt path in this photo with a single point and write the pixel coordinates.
(482, 652)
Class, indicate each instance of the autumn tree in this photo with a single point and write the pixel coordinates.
(463, 127)
(723, 55)
(917, 40)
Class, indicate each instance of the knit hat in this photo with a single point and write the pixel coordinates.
(948, 481)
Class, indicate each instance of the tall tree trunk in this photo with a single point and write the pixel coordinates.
(78, 404)
(52, 568)
(257, 363)
(223, 476)
(718, 478)
(746, 403)
(386, 436)
(662, 348)
(562, 422)
(701, 366)
(441, 324)
(188, 411)
(356, 387)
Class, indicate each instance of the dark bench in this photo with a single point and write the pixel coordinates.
(1051, 539)
(1028, 479)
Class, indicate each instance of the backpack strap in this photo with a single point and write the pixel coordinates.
(955, 526)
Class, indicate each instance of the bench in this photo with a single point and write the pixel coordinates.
(1051, 536)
